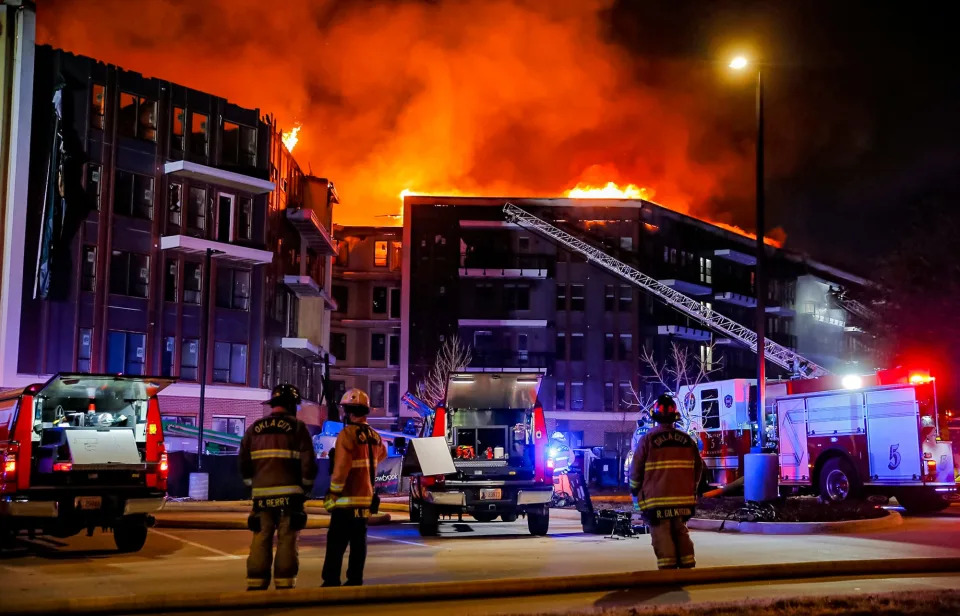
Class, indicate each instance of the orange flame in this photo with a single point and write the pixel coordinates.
(291, 138)
(610, 191)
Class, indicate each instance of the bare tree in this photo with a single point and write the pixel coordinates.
(453, 356)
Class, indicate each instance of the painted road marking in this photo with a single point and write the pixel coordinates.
(422, 545)
(220, 553)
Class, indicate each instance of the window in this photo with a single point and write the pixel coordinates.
(608, 396)
(137, 117)
(180, 420)
(380, 254)
(706, 270)
(170, 282)
(561, 297)
(625, 394)
(378, 347)
(625, 348)
(576, 297)
(88, 269)
(516, 297)
(396, 256)
(376, 394)
(125, 352)
(561, 396)
(483, 341)
(229, 363)
(97, 96)
(93, 187)
(178, 117)
(609, 299)
(230, 425)
(576, 396)
(175, 203)
(340, 295)
(626, 298)
(198, 134)
(192, 282)
(84, 349)
(338, 345)
(395, 303)
(189, 359)
(522, 342)
(239, 145)
(129, 274)
(166, 356)
(393, 398)
(394, 358)
(233, 289)
(197, 210)
(710, 409)
(245, 219)
(561, 349)
(608, 346)
(379, 300)
(706, 356)
(626, 243)
(576, 347)
(133, 195)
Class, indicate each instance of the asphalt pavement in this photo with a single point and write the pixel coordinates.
(213, 560)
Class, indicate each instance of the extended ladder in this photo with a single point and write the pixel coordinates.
(776, 353)
(852, 306)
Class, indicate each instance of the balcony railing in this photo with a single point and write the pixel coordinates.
(512, 359)
(486, 260)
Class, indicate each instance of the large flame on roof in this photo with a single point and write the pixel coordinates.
(290, 138)
(610, 191)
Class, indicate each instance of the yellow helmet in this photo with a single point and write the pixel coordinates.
(357, 401)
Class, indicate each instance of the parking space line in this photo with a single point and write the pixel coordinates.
(422, 545)
(197, 545)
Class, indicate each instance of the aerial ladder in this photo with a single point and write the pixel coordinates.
(776, 353)
(851, 305)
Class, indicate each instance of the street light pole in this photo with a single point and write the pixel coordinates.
(204, 342)
(760, 281)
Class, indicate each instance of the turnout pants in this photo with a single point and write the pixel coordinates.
(259, 562)
(347, 527)
(672, 544)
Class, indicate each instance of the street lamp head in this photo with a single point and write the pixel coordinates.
(739, 63)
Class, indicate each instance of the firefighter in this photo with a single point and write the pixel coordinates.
(351, 496)
(278, 461)
(664, 475)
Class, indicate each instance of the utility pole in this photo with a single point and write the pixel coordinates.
(760, 281)
(204, 345)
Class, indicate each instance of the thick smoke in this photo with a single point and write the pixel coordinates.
(472, 97)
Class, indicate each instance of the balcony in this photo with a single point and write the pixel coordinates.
(502, 322)
(307, 286)
(736, 299)
(224, 251)
(505, 266)
(314, 234)
(781, 311)
(687, 288)
(304, 349)
(684, 333)
(213, 175)
(510, 361)
(736, 256)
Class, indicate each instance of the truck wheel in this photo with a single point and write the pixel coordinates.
(482, 516)
(414, 510)
(921, 500)
(838, 481)
(509, 517)
(130, 536)
(429, 521)
(538, 521)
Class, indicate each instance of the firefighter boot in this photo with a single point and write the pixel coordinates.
(287, 562)
(661, 534)
(261, 553)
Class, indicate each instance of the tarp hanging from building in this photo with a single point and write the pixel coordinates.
(54, 200)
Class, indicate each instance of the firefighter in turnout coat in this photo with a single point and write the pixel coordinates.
(355, 455)
(663, 481)
(277, 460)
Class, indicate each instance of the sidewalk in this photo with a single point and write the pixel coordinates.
(233, 514)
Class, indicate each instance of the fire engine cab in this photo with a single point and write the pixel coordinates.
(495, 444)
(82, 451)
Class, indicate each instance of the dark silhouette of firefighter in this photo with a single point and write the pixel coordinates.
(352, 495)
(664, 476)
(278, 461)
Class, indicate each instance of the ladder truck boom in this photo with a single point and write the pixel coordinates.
(776, 353)
(852, 306)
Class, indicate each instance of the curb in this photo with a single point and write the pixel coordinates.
(890, 520)
(186, 520)
(434, 591)
(312, 508)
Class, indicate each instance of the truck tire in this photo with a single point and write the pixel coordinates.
(538, 521)
(130, 535)
(838, 481)
(429, 521)
(509, 517)
(922, 500)
(484, 516)
(414, 510)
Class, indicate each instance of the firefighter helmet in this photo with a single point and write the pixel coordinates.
(285, 395)
(356, 402)
(665, 410)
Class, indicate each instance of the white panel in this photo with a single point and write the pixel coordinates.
(794, 457)
(115, 446)
(835, 414)
(893, 435)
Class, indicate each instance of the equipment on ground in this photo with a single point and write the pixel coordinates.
(618, 523)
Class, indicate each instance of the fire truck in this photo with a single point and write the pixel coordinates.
(493, 454)
(82, 451)
(839, 437)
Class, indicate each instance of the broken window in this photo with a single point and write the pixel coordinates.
(197, 210)
(380, 254)
(137, 117)
(178, 117)
(245, 219)
(175, 202)
(198, 134)
(97, 96)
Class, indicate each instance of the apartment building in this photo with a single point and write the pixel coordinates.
(365, 334)
(523, 303)
(150, 178)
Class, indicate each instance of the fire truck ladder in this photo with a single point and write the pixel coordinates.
(776, 353)
(852, 306)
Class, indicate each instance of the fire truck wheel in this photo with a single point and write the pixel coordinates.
(509, 517)
(838, 481)
(922, 500)
(538, 521)
(429, 521)
(481, 516)
(414, 510)
(130, 535)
